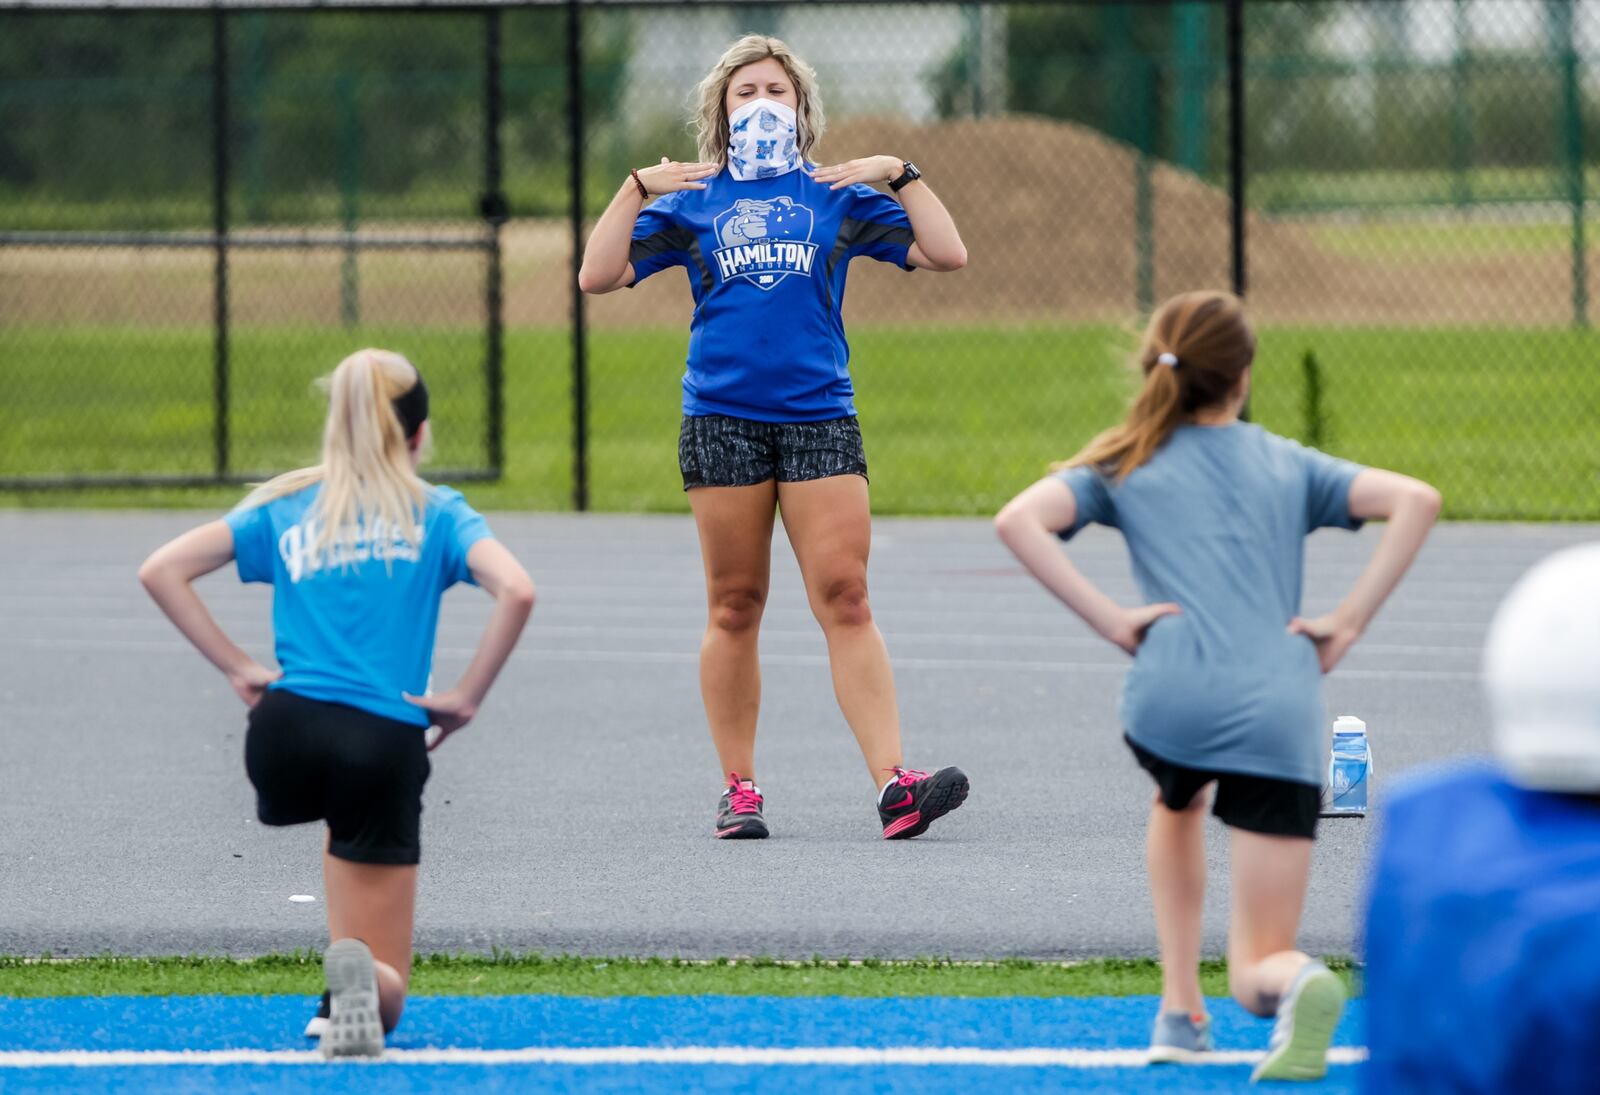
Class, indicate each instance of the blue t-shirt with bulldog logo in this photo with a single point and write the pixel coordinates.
(766, 261)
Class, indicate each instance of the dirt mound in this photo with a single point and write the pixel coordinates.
(1048, 210)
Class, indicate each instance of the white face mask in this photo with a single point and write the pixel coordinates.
(762, 141)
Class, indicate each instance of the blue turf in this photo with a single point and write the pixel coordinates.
(651, 1080)
(511, 1022)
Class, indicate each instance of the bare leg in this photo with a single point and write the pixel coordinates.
(829, 524)
(1269, 889)
(375, 904)
(735, 526)
(1175, 855)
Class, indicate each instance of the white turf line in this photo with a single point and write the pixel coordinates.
(850, 1056)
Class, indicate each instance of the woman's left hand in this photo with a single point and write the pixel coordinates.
(449, 711)
(872, 169)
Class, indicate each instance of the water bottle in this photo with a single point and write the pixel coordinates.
(1349, 769)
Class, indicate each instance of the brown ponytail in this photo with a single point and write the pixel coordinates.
(1209, 343)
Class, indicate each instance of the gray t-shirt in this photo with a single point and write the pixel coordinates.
(1216, 521)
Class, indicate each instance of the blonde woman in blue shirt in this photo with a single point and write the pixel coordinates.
(769, 417)
(1225, 689)
(358, 550)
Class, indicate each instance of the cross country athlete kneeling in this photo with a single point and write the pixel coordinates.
(769, 418)
(358, 550)
(1223, 706)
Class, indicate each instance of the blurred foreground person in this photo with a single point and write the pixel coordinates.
(1483, 925)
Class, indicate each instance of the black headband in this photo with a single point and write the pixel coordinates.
(412, 408)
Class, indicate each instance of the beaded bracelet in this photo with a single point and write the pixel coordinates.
(644, 191)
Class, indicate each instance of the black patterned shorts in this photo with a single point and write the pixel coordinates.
(716, 450)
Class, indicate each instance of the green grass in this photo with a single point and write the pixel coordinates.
(1428, 242)
(571, 976)
(956, 419)
(1291, 190)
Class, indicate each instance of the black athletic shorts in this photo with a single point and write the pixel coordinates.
(359, 772)
(715, 450)
(1257, 804)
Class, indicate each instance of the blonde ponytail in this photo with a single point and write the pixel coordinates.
(1195, 349)
(366, 473)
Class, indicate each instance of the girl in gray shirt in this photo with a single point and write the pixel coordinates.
(1225, 688)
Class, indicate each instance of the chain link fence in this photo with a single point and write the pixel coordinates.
(1415, 232)
(202, 211)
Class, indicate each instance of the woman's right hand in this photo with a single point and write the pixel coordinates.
(1130, 625)
(449, 711)
(1332, 635)
(670, 175)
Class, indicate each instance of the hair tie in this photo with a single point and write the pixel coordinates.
(411, 407)
(1169, 360)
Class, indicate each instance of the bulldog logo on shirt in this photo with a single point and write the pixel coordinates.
(764, 240)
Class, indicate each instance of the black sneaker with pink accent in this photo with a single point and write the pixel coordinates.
(916, 800)
(739, 811)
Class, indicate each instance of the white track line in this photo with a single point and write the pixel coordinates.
(733, 1056)
(689, 657)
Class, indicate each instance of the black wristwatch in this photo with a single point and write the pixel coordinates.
(911, 175)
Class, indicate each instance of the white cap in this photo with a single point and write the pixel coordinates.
(1349, 724)
(1541, 666)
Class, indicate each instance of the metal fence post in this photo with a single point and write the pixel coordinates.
(580, 334)
(1144, 200)
(1461, 110)
(1561, 16)
(1234, 32)
(1191, 113)
(219, 228)
(495, 210)
(1236, 149)
(349, 191)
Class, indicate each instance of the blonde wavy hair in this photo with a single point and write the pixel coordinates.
(711, 96)
(366, 471)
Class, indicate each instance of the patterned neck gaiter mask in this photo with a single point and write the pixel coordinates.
(762, 141)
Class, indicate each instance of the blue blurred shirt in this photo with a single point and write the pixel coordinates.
(767, 260)
(1483, 938)
(1216, 521)
(359, 634)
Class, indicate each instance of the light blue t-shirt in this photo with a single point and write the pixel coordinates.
(359, 634)
(1216, 521)
(767, 260)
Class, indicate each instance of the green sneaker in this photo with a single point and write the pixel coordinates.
(1307, 1015)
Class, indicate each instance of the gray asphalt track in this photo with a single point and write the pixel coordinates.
(575, 814)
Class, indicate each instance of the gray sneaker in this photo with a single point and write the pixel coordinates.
(1307, 1015)
(354, 1026)
(318, 1026)
(1179, 1037)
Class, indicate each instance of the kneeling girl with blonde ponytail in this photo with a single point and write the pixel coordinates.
(358, 550)
(1223, 705)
